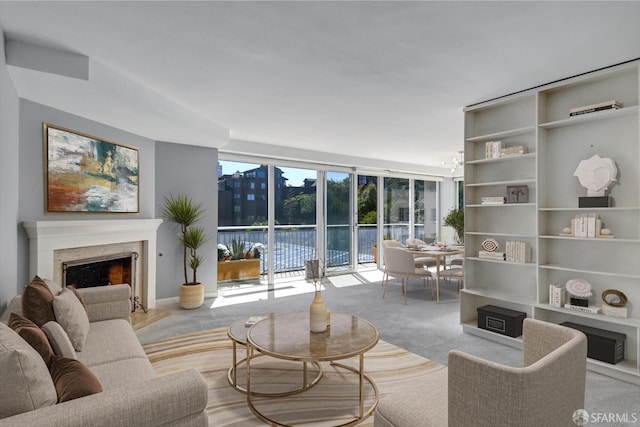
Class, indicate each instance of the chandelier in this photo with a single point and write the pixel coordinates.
(455, 163)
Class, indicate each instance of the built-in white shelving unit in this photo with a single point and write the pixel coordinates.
(539, 120)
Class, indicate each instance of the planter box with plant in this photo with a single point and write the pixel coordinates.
(236, 263)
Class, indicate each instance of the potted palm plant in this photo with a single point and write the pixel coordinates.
(455, 220)
(184, 212)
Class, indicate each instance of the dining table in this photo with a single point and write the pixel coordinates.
(440, 254)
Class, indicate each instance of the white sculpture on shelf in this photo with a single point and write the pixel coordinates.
(595, 174)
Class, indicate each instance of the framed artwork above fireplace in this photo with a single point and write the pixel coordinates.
(85, 173)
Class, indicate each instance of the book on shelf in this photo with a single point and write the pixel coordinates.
(492, 149)
(253, 320)
(557, 295)
(585, 109)
(490, 200)
(592, 309)
(510, 151)
(517, 251)
(496, 256)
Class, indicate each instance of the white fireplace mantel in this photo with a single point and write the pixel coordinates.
(45, 237)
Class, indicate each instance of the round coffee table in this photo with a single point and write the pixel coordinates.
(237, 332)
(287, 336)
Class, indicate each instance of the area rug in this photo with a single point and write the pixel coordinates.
(333, 401)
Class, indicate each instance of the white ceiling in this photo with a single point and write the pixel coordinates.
(386, 80)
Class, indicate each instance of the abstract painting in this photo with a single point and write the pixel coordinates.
(84, 173)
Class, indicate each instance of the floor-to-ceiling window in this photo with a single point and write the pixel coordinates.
(367, 227)
(338, 221)
(425, 197)
(397, 209)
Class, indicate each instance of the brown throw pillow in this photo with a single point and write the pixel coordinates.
(72, 379)
(32, 334)
(37, 302)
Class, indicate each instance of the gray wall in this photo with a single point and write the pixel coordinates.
(31, 174)
(190, 170)
(9, 283)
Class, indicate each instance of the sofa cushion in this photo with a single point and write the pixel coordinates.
(108, 341)
(122, 373)
(15, 306)
(37, 302)
(59, 340)
(26, 384)
(33, 335)
(72, 316)
(72, 379)
(77, 294)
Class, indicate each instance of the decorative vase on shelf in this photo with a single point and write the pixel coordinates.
(318, 314)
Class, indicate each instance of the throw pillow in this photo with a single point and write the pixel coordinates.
(25, 382)
(33, 335)
(77, 294)
(72, 379)
(37, 302)
(71, 316)
(59, 340)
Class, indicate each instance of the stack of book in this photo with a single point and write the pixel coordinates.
(512, 151)
(557, 295)
(492, 149)
(591, 309)
(496, 256)
(493, 200)
(608, 105)
(517, 251)
(587, 225)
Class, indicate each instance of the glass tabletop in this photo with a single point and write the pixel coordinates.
(288, 336)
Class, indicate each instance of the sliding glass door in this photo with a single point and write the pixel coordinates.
(338, 221)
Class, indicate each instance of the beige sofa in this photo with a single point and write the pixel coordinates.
(546, 391)
(132, 395)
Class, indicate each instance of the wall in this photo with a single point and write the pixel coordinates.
(31, 174)
(190, 170)
(9, 283)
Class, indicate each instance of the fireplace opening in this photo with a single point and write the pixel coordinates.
(103, 271)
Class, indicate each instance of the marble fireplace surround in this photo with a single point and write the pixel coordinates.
(49, 241)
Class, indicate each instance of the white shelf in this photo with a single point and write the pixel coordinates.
(502, 135)
(502, 205)
(496, 183)
(501, 159)
(555, 149)
(581, 271)
(590, 117)
(599, 317)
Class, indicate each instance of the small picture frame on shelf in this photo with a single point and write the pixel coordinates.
(517, 194)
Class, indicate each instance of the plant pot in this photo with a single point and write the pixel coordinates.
(191, 296)
(239, 269)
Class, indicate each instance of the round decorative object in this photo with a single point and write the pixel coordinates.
(490, 245)
(605, 232)
(579, 288)
(566, 230)
(595, 174)
(622, 298)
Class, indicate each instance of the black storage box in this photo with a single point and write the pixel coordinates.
(603, 345)
(501, 320)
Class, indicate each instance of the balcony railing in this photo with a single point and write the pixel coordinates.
(295, 244)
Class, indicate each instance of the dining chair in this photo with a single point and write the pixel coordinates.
(400, 264)
(423, 261)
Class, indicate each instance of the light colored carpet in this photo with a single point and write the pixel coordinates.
(335, 397)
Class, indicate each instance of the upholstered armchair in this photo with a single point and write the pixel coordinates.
(476, 392)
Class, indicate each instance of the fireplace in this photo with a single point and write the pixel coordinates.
(105, 270)
(52, 243)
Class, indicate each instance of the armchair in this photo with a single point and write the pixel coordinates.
(544, 392)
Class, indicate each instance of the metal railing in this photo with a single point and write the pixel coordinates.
(296, 244)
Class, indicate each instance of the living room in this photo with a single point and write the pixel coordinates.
(36, 88)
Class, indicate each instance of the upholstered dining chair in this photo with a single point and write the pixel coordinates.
(399, 263)
(423, 261)
(455, 272)
(471, 391)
